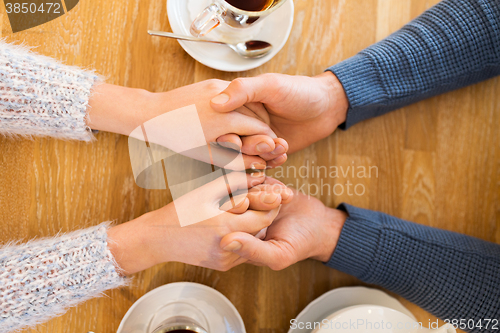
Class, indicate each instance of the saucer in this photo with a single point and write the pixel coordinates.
(340, 298)
(221, 314)
(221, 57)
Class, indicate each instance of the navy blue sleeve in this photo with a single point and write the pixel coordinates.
(454, 44)
(452, 276)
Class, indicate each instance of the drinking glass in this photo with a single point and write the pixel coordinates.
(179, 317)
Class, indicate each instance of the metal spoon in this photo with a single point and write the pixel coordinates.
(250, 49)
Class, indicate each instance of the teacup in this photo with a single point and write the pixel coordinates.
(375, 319)
(177, 317)
(239, 14)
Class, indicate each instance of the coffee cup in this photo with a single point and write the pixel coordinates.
(239, 14)
(178, 317)
(375, 319)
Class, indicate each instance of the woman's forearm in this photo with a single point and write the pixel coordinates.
(119, 109)
(134, 244)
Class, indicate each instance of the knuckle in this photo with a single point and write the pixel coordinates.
(215, 84)
(283, 260)
(268, 220)
(223, 264)
(253, 255)
(238, 83)
(224, 229)
(270, 78)
(282, 263)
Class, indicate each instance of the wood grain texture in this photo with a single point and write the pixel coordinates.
(438, 161)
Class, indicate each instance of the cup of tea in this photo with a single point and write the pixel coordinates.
(178, 317)
(238, 14)
(367, 318)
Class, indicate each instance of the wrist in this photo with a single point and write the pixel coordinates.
(118, 109)
(338, 103)
(333, 222)
(130, 244)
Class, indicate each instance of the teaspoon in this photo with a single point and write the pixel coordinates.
(249, 49)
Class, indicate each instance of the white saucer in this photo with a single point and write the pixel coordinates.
(221, 57)
(221, 314)
(340, 298)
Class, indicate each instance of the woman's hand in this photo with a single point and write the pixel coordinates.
(300, 109)
(121, 110)
(305, 228)
(158, 237)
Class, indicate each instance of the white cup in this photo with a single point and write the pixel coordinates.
(178, 316)
(375, 319)
(222, 13)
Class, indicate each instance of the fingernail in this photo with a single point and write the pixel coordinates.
(221, 99)
(280, 159)
(238, 204)
(263, 147)
(224, 144)
(286, 194)
(269, 198)
(279, 150)
(258, 175)
(258, 166)
(233, 246)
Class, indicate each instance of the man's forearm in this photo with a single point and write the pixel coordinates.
(453, 276)
(454, 44)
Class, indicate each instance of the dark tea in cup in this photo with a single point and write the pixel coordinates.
(179, 317)
(238, 14)
(251, 5)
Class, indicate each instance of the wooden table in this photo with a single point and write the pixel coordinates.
(438, 160)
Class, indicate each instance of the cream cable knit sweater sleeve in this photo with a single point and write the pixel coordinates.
(43, 278)
(39, 96)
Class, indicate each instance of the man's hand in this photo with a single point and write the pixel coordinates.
(299, 109)
(303, 229)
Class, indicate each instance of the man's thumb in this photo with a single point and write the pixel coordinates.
(238, 93)
(253, 249)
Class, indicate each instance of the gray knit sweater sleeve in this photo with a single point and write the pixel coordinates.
(39, 96)
(452, 276)
(454, 44)
(41, 279)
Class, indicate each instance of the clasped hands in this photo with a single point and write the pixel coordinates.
(266, 117)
